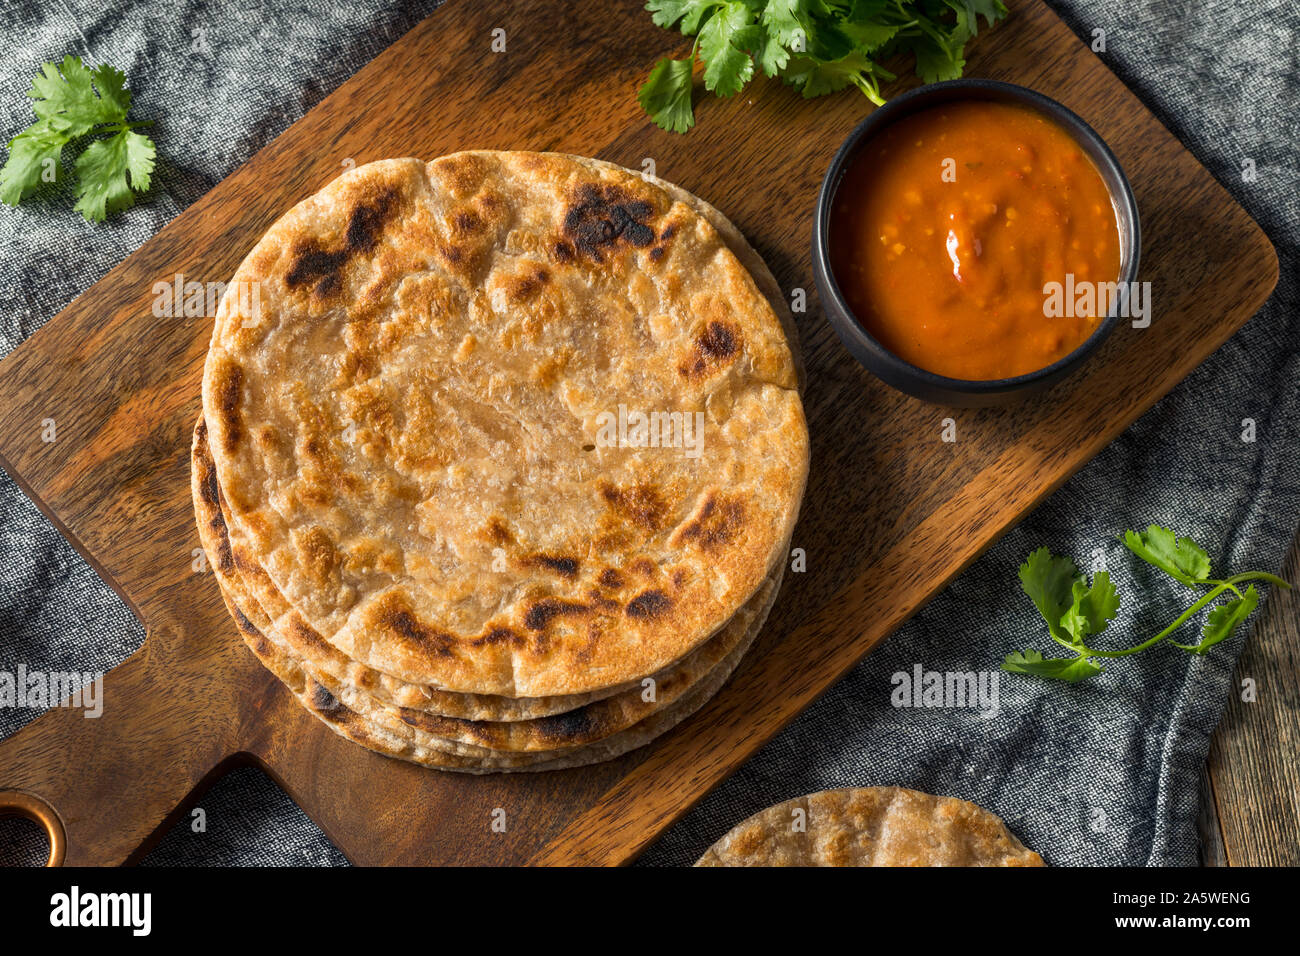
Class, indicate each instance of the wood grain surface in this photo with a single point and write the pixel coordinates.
(1251, 797)
(892, 512)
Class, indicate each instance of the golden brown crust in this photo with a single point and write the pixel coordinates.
(871, 826)
(404, 433)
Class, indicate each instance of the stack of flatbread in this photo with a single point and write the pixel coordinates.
(499, 456)
(871, 826)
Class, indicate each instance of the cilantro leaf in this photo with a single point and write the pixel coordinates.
(816, 46)
(1181, 558)
(103, 170)
(813, 78)
(666, 95)
(1092, 608)
(770, 55)
(827, 41)
(1069, 669)
(1223, 620)
(1075, 610)
(869, 37)
(667, 13)
(937, 60)
(990, 10)
(940, 48)
(866, 11)
(785, 19)
(111, 83)
(65, 96)
(1049, 581)
(31, 153)
(70, 101)
(725, 41)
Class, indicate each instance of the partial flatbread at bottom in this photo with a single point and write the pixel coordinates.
(871, 826)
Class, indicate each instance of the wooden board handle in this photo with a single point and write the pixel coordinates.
(105, 788)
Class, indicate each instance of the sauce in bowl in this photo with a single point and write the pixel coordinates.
(949, 224)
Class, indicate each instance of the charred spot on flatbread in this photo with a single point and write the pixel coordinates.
(497, 532)
(567, 725)
(244, 623)
(712, 349)
(641, 504)
(209, 492)
(542, 612)
(394, 616)
(649, 605)
(522, 287)
(320, 268)
(716, 524)
(499, 635)
(467, 222)
(600, 216)
(306, 636)
(228, 384)
(561, 564)
(323, 701)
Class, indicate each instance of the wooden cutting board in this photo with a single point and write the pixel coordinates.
(892, 513)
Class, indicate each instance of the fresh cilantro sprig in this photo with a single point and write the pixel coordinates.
(816, 46)
(1076, 609)
(71, 101)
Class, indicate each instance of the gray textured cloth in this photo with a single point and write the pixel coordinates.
(1102, 773)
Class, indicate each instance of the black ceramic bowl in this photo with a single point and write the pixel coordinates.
(903, 375)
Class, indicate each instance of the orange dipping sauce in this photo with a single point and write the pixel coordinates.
(949, 223)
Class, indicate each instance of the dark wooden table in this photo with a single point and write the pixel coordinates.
(1250, 791)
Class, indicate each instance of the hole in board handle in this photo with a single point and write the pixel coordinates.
(17, 803)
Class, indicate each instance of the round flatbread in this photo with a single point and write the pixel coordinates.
(565, 721)
(352, 726)
(302, 642)
(421, 422)
(871, 826)
(587, 724)
(550, 737)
